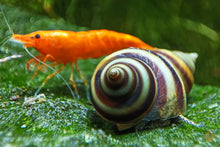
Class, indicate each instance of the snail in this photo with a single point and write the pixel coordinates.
(136, 84)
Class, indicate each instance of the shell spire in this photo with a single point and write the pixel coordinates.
(188, 58)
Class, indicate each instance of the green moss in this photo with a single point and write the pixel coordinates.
(61, 120)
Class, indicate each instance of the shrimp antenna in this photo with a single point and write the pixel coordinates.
(5, 40)
(38, 90)
(9, 37)
(9, 27)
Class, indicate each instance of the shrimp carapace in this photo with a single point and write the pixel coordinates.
(65, 47)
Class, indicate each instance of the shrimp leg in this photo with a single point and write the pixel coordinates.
(47, 57)
(49, 77)
(53, 74)
(72, 81)
(81, 75)
(40, 57)
(84, 80)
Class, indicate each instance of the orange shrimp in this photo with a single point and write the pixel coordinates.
(62, 47)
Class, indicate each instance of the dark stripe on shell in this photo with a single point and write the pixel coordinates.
(179, 85)
(161, 99)
(120, 98)
(139, 111)
(114, 83)
(182, 70)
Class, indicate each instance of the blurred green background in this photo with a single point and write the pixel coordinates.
(191, 26)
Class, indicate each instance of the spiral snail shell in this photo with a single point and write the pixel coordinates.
(134, 84)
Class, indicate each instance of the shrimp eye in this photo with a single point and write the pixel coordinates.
(37, 36)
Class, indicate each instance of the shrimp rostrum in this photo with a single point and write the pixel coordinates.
(63, 47)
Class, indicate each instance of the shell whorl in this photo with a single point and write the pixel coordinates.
(134, 84)
(183, 63)
(124, 85)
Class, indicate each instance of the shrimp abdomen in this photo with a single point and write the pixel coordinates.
(103, 42)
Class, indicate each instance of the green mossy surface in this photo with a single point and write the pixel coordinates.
(60, 120)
